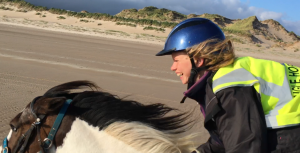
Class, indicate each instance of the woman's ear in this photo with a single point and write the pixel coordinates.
(199, 62)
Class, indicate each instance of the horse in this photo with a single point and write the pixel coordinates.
(96, 121)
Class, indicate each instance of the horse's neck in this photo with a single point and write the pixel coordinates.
(86, 138)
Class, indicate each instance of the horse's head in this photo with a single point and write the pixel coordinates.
(37, 117)
(30, 128)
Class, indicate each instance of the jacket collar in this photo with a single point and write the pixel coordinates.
(197, 91)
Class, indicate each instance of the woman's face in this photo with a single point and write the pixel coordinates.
(181, 66)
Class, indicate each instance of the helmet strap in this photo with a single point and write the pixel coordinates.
(194, 73)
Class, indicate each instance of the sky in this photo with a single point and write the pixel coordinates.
(287, 12)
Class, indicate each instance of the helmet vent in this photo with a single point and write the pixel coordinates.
(189, 24)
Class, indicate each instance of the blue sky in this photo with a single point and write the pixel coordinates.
(289, 8)
(287, 12)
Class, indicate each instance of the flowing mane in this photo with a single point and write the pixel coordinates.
(101, 109)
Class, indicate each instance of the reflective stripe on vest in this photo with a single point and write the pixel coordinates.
(278, 90)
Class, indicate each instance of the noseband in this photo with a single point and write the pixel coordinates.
(48, 142)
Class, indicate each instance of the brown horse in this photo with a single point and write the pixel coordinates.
(96, 121)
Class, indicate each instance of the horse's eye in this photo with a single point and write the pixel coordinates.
(13, 128)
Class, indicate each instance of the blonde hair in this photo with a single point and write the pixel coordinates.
(216, 53)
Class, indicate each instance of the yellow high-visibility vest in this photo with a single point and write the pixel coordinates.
(278, 85)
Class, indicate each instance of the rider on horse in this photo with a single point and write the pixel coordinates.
(249, 105)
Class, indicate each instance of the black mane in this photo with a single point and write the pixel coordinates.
(102, 108)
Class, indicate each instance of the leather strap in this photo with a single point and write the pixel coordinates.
(27, 136)
(58, 120)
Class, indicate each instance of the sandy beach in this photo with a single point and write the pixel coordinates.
(107, 29)
(39, 52)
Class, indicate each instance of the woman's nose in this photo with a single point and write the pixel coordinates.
(174, 67)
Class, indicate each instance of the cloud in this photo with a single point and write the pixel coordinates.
(269, 15)
(292, 26)
(233, 9)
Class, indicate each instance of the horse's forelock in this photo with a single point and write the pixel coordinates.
(21, 117)
(26, 115)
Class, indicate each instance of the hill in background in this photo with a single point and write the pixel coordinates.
(153, 13)
(269, 32)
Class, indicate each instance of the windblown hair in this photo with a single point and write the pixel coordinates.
(101, 109)
(216, 53)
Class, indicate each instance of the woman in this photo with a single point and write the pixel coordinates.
(249, 105)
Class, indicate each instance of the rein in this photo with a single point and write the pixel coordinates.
(47, 142)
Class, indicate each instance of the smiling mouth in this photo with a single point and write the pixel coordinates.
(179, 74)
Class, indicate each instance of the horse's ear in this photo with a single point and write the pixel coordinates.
(49, 105)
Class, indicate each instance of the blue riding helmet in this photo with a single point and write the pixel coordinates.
(189, 33)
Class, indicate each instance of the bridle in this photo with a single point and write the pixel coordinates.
(47, 143)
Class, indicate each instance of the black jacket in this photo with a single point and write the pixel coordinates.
(235, 120)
